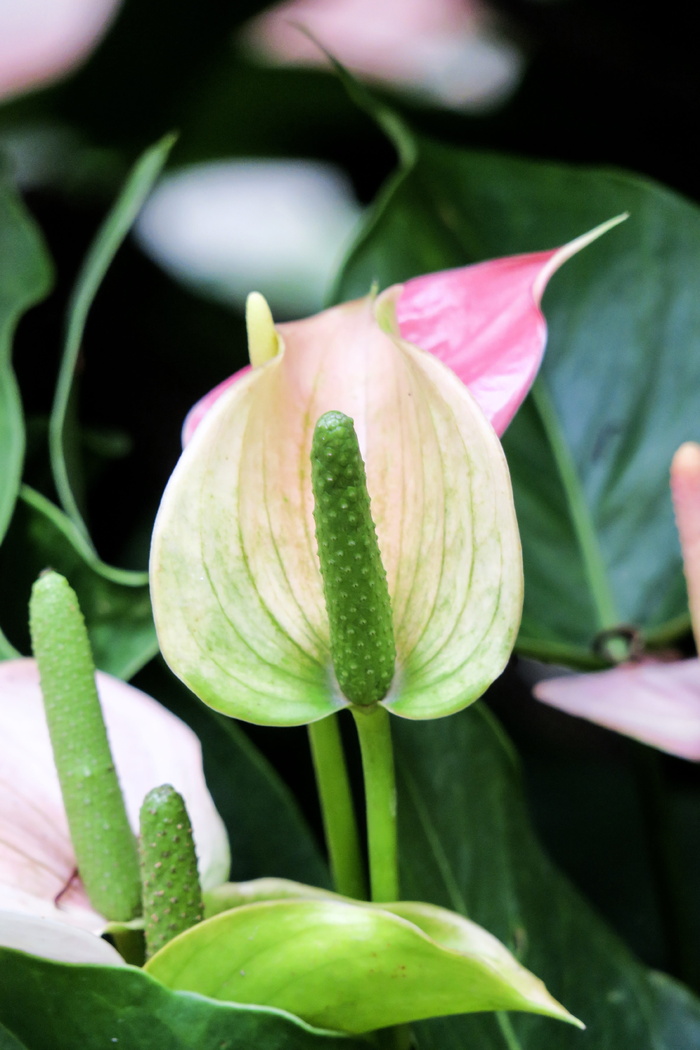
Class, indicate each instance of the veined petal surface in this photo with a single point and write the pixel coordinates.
(235, 580)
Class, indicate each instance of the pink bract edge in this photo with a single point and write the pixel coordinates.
(483, 321)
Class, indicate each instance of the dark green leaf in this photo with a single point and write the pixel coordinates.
(268, 833)
(25, 278)
(117, 612)
(62, 428)
(590, 452)
(52, 1006)
(466, 844)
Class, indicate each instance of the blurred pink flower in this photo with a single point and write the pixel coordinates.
(444, 49)
(657, 703)
(41, 40)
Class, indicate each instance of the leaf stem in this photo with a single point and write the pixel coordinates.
(583, 528)
(339, 823)
(374, 732)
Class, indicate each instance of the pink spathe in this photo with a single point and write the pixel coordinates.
(483, 321)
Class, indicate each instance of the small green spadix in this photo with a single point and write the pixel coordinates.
(263, 341)
(354, 581)
(104, 845)
(172, 895)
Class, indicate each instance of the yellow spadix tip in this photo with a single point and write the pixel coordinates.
(263, 341)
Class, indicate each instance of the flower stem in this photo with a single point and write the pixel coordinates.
(337, 810)
(374, 732)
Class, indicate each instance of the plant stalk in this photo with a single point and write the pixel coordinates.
(339, 822)
(374, 732)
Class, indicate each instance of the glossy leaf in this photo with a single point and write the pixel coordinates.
(589, 451)
(478, 856)
(350, 967)
(49, 1006)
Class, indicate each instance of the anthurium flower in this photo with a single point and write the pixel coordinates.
(39, 886)
(652, 701)
(236, 586)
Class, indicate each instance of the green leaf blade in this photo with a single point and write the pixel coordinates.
(348, 967)
(52, 1006)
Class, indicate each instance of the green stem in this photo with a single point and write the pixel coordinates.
(374, 732)
(337, 810)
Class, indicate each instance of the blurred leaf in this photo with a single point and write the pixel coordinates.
(590, 450)
(466, 844)
(25, 278)
(117, 611)
(52, 1006)
(63, 430)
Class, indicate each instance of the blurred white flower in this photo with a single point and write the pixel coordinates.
(41, 40)
(280, 226)
(446, 51)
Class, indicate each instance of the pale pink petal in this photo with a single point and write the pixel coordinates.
(40, 40)
(485, 322)
(685, 489)
(150, 745)
(657, 703)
